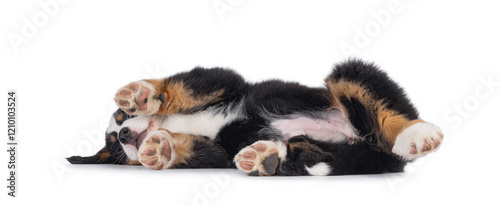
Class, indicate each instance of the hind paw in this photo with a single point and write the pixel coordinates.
(418, 140)
(261, 158)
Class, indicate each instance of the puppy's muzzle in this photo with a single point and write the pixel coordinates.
(125, 135)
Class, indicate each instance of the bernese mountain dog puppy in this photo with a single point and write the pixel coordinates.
(361, 122)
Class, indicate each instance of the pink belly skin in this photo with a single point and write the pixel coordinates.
(334, 127)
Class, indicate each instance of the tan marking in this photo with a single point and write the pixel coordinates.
(344, 88)
(182, 146)
(391, 123)
(179, 98)
(103, 155)
(305, 146)
(119, 117)
(133, 162)
(112, 138)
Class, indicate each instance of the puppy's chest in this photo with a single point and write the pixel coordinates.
(205, 123)
(332, 126)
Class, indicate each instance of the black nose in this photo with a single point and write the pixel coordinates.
(125, 135)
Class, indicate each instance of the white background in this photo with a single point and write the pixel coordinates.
(67, 69)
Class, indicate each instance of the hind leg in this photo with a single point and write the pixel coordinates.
(294, 157)
(380, 110)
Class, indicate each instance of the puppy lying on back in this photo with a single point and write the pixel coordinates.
(360, 122)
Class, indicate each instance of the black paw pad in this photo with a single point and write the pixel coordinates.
(162, 97)
(254, 173)
(271, 163)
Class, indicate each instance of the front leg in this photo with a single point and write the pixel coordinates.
(181, 93)
(139, 98)
(166, 150)
(163, 96)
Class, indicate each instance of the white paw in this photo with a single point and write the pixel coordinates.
(156, 152)
(138, 98)
(261, 158)
(417, 140)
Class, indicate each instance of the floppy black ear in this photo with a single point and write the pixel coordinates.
(101, 157)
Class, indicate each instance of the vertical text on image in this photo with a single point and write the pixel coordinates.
(12, 143)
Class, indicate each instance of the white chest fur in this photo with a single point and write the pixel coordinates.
(206, 123)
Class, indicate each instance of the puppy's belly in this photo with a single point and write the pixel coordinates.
(333, 126)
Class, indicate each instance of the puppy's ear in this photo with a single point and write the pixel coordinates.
(101, 157)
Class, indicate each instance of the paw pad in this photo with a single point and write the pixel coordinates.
(261, 158)
(155, 152)
(417, 140)
(137, 98)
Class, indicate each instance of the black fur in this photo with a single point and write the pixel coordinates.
(343, 158)
(207, 154)
(279, 99)
(377, 82)
(203, 81)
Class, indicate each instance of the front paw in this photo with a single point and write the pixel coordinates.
(261, 158)
(417, 140)
(138, 98)
(156, 152)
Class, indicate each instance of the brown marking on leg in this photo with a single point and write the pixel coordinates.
(349, 89)
(177, 98)
(183, 147)
(390, 122)
(304, 145)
